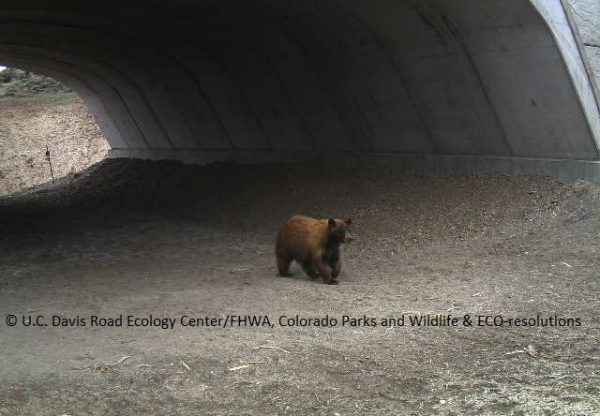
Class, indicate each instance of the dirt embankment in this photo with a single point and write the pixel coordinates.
(416, 206)
(29, 124)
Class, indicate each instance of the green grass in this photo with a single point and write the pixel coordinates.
(18, 83)
(47, 99)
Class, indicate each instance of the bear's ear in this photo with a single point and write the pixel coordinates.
(348, 221)
(331, 223)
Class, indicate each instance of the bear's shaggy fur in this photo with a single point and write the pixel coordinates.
(314, 244)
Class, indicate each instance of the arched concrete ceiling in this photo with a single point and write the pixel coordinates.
(271, 79)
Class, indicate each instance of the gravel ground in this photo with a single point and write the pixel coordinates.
(139, 238)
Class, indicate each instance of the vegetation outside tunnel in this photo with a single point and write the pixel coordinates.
(17, 83)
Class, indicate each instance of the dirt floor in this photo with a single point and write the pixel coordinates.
(29, 124)
(163, 239)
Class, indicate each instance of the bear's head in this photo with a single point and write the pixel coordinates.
(339, 231)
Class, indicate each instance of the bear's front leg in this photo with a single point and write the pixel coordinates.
(336, 268)
(333, 259)
(325, 272)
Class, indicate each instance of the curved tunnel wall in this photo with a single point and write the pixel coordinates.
(268, 80)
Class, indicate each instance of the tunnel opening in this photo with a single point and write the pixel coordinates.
(46, 131)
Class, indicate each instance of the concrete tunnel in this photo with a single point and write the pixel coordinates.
(441, 84)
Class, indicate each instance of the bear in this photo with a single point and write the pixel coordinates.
(314, 244)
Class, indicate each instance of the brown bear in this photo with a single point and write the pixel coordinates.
(314, 244)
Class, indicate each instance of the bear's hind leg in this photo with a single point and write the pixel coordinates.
(309, 270)
(283, 265)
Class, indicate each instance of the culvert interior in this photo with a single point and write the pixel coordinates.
(444, 82)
